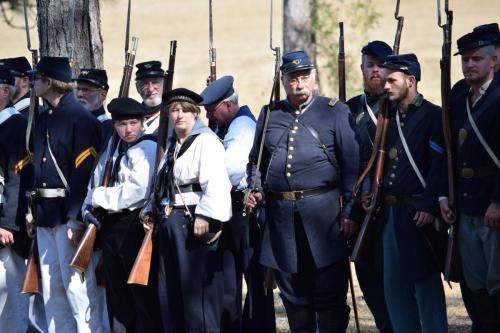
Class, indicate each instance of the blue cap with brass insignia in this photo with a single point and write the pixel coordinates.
(18, 66)
(181, 95)
(492, 29)
(122, 108)
(406, 63)
(6, 76)
(149, 68)
(96, 77)
(377, 49)
(56, 68)
(218, 90)
(473, 40)
(295, 61)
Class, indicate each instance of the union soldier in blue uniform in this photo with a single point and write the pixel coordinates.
(236, 127)
(412, 259)
(310, 159)
(91, 91)
(149, 84)
(14, 243)
(19, 66)
(475, 133)
(461, 88)
(364, 109)
(66, 141)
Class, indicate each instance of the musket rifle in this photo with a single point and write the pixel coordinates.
(81, 259)
(341, 64)
(31, 278)
(399, 29)
(452, 267)
(373, 203)
(142, 264)
(212, 57)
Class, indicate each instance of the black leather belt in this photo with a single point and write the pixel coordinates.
(401, 199)
(301, 194)
(469, 173)
(196, 187)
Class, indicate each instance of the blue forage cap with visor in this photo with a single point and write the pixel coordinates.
(149, 69)
(18, 65)
(56, 68)
(295, 61)
(377, 49)
(218, 90)
(6, 76)
(473, 40)
(96, 77)
(406, 63)
(492, 29)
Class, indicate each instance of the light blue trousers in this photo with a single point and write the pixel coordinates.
(414, 307)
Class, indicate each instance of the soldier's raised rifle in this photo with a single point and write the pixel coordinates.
(142, 264)
(372, 204)
(452, 267)
(81, 259)
(31, 278)
(342, 98)
(212, 57)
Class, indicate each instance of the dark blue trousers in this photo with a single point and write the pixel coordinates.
(242, 240)
(190, 279)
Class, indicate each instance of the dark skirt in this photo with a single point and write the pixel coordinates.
(190, 278)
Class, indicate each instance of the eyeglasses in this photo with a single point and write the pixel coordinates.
(302, 78)
(213, 107)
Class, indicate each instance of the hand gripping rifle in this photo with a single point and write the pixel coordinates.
(452, 267)
(83, 253)
(212, 57)
(32, 275)
(142, 264)
(373, 203)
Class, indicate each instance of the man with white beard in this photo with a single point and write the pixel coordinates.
(91, 91)
(149, 84)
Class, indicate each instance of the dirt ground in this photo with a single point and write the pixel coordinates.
(241, 36)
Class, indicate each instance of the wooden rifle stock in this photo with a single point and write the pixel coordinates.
(142, 264)
(81, 259)
(366, 234)
(341, 64)
(453, 267)
(31, 283)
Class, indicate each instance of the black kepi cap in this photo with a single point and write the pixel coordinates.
(96, 77)
(149, 68)
(181, 95)
(18, 65)
(6, 76)
(474, 40)
(377, 49)
(56, 68)
(126, 108)
(406, 63)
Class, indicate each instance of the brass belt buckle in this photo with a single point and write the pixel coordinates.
(390, 199)
(289, 196)
(467, 173)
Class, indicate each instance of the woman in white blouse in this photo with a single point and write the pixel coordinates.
(195, 201)
(117, 206)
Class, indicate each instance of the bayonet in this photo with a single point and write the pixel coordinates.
(397, 39)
